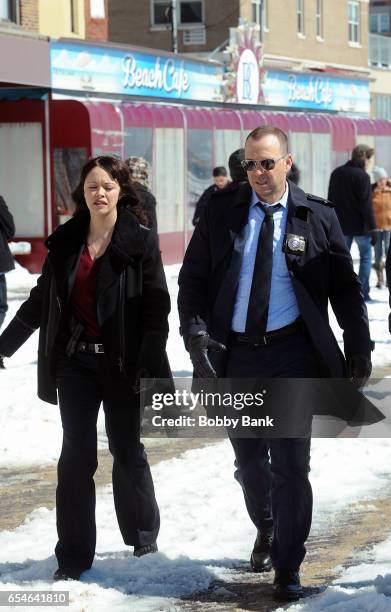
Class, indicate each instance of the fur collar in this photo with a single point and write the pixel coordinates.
(128, 239)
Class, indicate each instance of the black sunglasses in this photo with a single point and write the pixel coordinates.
(266, 164)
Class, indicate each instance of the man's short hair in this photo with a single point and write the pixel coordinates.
(270, 130)
(220, 171)
(361, 153)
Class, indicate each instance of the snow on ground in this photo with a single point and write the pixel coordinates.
(205, 528)
(365, 587)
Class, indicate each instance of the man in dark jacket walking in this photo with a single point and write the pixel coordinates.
(350, 192)
(7, 231)
(262, 266)
(220, 181)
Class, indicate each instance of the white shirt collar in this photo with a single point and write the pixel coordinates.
(283, 201)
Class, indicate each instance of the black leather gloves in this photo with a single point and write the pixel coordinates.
(359, 369)
(198, 346)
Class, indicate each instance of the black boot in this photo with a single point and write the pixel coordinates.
(287, 585)
(73, 573)
(140, 551)
(260, 560)
(379, 267)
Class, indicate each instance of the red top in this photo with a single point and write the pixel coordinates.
(83, 293)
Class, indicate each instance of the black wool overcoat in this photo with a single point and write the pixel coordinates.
(131, 297)
(321, 274)
(351, 194)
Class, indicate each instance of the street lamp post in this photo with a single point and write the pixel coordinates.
(174, 27)
(261, 18)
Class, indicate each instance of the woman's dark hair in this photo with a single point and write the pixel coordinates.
(119, 172)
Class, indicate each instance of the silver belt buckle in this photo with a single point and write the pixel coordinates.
(99, 348)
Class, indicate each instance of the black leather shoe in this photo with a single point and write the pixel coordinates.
(67, 574)
(260, 560)
(287, 585)
(139, 551)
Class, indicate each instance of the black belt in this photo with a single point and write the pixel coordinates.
(90, 347)
(269, 337)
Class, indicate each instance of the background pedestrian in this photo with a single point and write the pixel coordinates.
(220, 180)
(350, 192)
(381, 201)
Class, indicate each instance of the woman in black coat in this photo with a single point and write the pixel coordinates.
(101, 304)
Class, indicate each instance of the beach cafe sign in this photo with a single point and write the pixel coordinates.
(162, 76)
(316, 91)
(113, 70)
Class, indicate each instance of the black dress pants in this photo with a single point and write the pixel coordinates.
(273, 473)
(84, 381)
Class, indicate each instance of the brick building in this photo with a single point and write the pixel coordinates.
(96, 22)
(85, 19)
(317, 34)
(380, 57)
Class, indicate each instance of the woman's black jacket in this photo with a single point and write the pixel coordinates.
(131, 296)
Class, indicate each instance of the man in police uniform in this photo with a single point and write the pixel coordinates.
(260, 269)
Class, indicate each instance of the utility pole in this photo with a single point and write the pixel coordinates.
(261, 20)
(171, 16)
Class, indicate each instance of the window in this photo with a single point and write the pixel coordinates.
(17, 141)
(190, 12)
(5, 10)
(67, 164)
(169, 188)
(354, 22)
(260, 13)
(160, 9)
(300, 17)
(382, 106)
(380, 23)
(74, 16)
(97, 9)
(199, 164)
(319, 18)
(9, 10)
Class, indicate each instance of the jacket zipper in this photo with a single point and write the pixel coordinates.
(121, 360)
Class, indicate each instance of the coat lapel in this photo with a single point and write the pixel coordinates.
(127, 246)
(236, 219)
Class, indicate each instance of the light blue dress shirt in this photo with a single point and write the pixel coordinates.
(283, 308)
